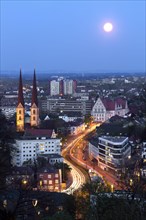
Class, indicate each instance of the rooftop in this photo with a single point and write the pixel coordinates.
(117, 139)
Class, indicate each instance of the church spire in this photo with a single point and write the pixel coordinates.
(20, 91)
(34, 91)
(34, 115)
(20, 110)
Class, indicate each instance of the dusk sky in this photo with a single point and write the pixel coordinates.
(68, 36)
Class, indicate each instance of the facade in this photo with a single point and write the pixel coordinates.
(69, 87)
(111, 152)
(104, 109)
(54, 87)
(50, 180)
(66, 105)
(29, 148)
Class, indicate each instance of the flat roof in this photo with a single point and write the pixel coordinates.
(114, 139)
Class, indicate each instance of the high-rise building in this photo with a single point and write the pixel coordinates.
(54, 87)
(20, 109)
(34, 116)
(69, 87)
(62, 87)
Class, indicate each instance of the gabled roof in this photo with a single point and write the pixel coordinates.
(111, 104)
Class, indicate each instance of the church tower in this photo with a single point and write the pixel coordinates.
(20, 109)
(34, 112)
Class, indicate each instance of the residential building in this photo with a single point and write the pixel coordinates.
(54, 87)
(49, 179)
(30, 147)
(110, 152)
(105, 108)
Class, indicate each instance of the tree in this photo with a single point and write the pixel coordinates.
(6, 147)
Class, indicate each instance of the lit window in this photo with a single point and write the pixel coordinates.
(45, 181)
(50, 181)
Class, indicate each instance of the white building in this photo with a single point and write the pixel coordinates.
(104, 109)
(54, 87)
(110, 152)
(30, 148)
(68, 87)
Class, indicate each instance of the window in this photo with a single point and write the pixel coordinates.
(19, 117)
(45, 181)
(49, 176)
(33, 111)
(19, 111)
(34, 118)
(56, 181)
(50, 181)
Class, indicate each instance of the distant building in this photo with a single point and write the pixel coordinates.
(70, 116)
(104, 109)
(54, 87)
(51, 105)
(110, 152)
(62, 87)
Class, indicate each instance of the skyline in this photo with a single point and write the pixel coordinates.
(63, 36)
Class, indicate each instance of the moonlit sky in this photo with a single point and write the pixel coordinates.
(68, 36)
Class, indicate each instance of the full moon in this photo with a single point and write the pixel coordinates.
(108, 27)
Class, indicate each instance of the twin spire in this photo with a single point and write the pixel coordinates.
(20, 110)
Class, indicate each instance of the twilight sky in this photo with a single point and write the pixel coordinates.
(68, 36)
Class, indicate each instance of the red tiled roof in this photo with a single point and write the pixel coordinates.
(39, 132)
(110, 104)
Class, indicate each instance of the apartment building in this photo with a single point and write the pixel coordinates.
(110, 152)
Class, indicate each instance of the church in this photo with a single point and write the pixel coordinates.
(20, 109)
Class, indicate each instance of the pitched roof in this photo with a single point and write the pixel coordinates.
(111, 104)
(38, 132)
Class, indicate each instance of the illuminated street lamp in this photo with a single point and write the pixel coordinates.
(112, 188)
(131, 182)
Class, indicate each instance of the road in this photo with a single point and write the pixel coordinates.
(75, 153)
(79, 178)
